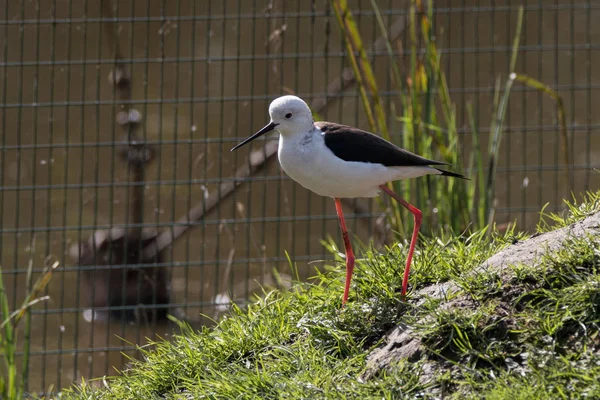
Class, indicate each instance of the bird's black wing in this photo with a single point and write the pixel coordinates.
(351, 144)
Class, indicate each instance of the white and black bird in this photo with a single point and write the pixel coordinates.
(343, 162)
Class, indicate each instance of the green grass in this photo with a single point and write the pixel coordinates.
(535, 336)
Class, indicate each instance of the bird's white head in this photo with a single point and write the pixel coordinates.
(289, 115)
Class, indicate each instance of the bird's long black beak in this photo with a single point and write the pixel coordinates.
(264, 130)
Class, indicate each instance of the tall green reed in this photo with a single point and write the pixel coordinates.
(13, 381)
(428, 116)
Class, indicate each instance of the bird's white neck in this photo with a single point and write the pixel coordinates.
(294, 135)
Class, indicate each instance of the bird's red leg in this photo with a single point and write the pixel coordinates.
(348, 246)
(413, 241)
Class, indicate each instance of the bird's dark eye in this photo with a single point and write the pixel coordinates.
(288, 115)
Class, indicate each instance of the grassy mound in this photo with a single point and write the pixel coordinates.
(529, 332)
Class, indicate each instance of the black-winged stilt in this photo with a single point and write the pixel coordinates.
(343, 162)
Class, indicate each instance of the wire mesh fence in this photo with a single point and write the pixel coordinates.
(116, 121)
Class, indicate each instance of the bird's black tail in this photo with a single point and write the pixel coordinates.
(453, 174)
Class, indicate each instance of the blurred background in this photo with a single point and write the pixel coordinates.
(116, 120)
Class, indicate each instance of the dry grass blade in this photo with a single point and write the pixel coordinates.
(353, 36)
(497, 133)
(16, 315)
(38, 287)
(497, 125)
(537, 85)
(342, 15)
(388, 45)
(477, 190)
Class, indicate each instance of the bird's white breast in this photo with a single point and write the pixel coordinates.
(308, 161)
